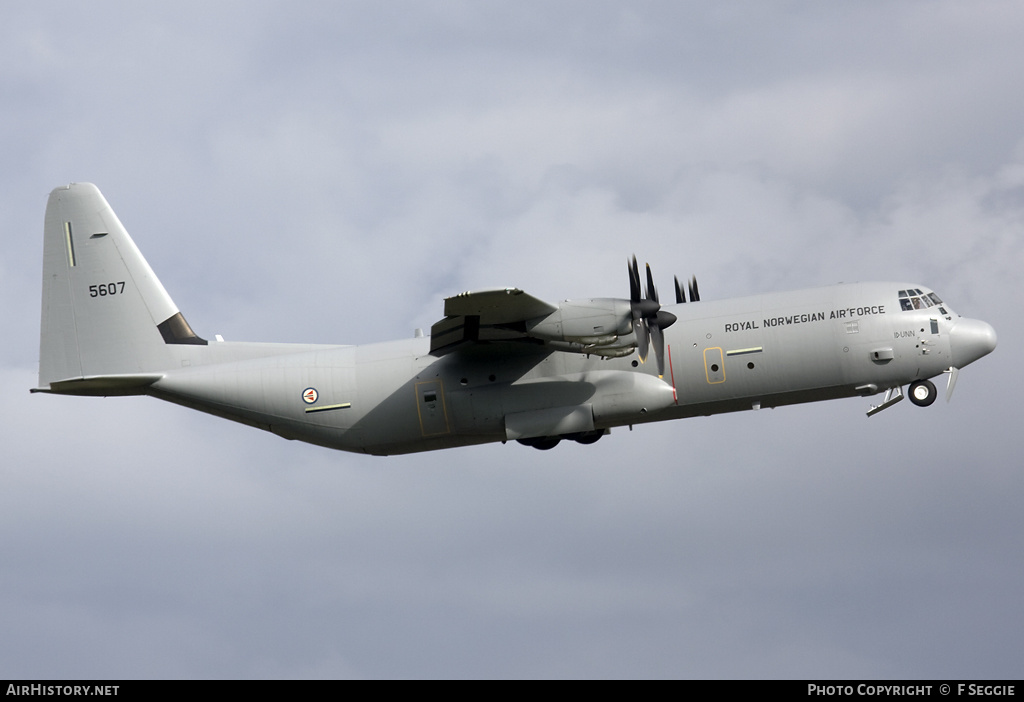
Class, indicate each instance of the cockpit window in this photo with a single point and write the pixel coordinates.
(916, 299)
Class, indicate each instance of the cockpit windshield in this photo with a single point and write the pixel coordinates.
(917, 299)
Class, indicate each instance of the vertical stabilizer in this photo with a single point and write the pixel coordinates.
(106, 318)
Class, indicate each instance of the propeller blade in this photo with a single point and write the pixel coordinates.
(953, 373)
(643, 338)
(634, 281)
(658, 339)
(694, 294)
(652, 292)
(680, 293)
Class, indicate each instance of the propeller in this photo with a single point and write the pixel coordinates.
(649, 320)
(681, 294)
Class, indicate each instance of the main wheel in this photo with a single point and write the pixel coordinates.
(922, 393)
(544, 443)
(586, 437)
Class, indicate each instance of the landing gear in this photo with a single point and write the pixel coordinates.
(541, 442)
(585, 437)
(549, 442)
(922, 393)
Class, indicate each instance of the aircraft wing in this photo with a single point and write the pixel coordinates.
(485, 315)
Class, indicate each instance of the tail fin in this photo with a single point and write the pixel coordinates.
(108, 325)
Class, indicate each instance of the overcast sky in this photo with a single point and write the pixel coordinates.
(330, 171)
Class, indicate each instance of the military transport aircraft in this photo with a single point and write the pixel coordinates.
(501, 365)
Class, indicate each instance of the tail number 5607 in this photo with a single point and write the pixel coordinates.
(105, 289)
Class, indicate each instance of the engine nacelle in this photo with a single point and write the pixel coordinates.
(597, 323)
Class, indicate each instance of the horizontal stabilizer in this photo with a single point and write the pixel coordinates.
(103, 385)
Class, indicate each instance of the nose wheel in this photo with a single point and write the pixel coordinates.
(922, 393)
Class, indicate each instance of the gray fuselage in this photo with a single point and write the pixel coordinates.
(723, 356)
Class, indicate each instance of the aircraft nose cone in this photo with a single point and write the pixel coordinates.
(969, 340)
